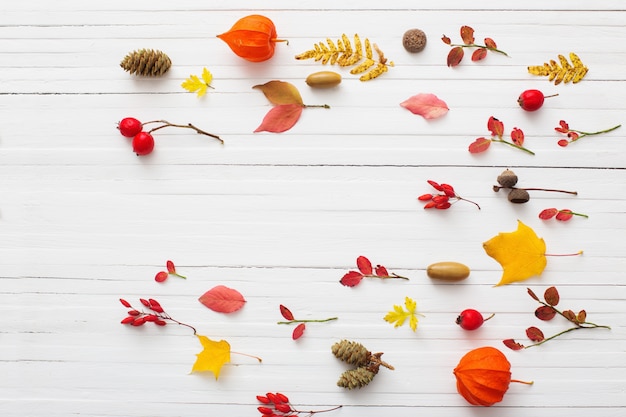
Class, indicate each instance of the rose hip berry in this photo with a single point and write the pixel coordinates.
(532, 100)
(143, 143)
(129, 127)
(471, 319)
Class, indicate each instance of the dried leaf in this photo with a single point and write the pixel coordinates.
(286, 313)
(222, 299)
(479, 54)
(545, 313)
(298, 331)
(561, 73)
(455, 56)
(570, 315)
(429, 106)
(446, 40)
(532, 294)
(280, 118)
(467, 34)
(512, 344)
(381, 271)
(517, 136)
(398, 315)
(364, 265)
(490, 43)
(521, 253)
(280, 92)
(479, 145)
(351, 278)
(213, 356)
(551, 296)
(495, 126)
(581, 316)
(535, 334)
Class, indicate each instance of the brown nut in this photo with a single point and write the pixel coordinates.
(414, 40)
(323, 79)
(448, 271)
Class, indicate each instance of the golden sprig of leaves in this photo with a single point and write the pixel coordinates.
(194, 84)
(563, 73)
(342, 53)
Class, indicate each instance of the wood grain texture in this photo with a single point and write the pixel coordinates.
(281, 217)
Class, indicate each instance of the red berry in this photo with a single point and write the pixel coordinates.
(143, 143)
(129, 127)
(470, 319)
(531, 100)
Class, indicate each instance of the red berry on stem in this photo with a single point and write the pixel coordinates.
(129, 127)
(143, 143)
(531, 100)
(471, 319)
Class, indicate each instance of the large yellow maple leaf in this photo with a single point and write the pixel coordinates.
(522, 254)
(213, 357)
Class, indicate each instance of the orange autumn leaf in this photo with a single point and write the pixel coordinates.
(522, 254)
(253, 38)
(280, 92)
(213, 356)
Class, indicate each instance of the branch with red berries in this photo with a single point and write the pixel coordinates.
(441, 201)
(156, 315)
(278, 405)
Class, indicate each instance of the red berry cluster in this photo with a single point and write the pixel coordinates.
(441, 201)
(143, 142)
(277, 405)
(157, 315)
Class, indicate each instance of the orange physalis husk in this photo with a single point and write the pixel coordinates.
(483, 376)
(253, 38)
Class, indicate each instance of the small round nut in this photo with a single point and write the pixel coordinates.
(518, 196)
(507, 179)
(414, 40)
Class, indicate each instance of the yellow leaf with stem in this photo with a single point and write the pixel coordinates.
(213, 356)
(195, 84)
(398, 315)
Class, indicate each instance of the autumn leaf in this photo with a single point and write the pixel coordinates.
(351, 278)
(195, 84)
(213, 356)
(467, 34)
(398, 315)
(455, 56)
(522, 254)
(479, 54)
(429, 106)
(222, 299)
(364, 265)
(479, 145)
(280, 118)
(280, 92)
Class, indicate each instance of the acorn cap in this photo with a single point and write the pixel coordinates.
(507, 179)
(518, 196)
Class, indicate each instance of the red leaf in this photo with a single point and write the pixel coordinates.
(545, 313)
(455, 56)
(429, 106)
(446, 40)
(381, 271)
(280, 118)
(551, 295)
(570, 315)
(495, 126)
(532, 294)
(548, 213)
(535, 334)
(170, 267)
(512, 344)
(351, 279)
(467, 34)
(479, 145)
(287, 314)
(161, 276)
(490, 43)
(479, 54)
(222, 299)
(364, 265)
(564, 215)
(517, 136)
(298, 331)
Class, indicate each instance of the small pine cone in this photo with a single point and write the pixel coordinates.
(148, 62)
(351, 352)
(355, 378)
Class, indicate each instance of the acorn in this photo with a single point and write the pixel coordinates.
(507, 179)
(518, 196)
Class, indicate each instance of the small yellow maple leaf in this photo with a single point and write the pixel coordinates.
(195, 84)
(522, 254)
(213, 357)
(398, 315)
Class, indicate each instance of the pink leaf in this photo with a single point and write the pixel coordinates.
(479, 54)
(429, 106)
(170, 267)
(364, 265)
(222, 299)
(298, 331)
(161, 276)
(280, 118)
(548, 213)
(479, 145)
(351, 278)
(564, 215)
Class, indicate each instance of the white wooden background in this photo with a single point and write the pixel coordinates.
(281, 217)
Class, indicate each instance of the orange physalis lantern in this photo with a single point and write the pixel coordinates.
(483, 376)
(252, 37)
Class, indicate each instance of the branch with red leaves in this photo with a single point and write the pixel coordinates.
(467, 35)
(299, 330)
(366, 270)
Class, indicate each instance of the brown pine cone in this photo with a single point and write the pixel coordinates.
(355, 378)
(147, 62)
(351, 352)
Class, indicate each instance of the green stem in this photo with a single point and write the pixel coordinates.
(474, 45)
(513, 145)
(386, 276)
(580, 326)
(583, 134)
(323, 106)
(307, 321)
(575, 214)
(177, 275)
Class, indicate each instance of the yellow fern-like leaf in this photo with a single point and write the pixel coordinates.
(562, 71)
